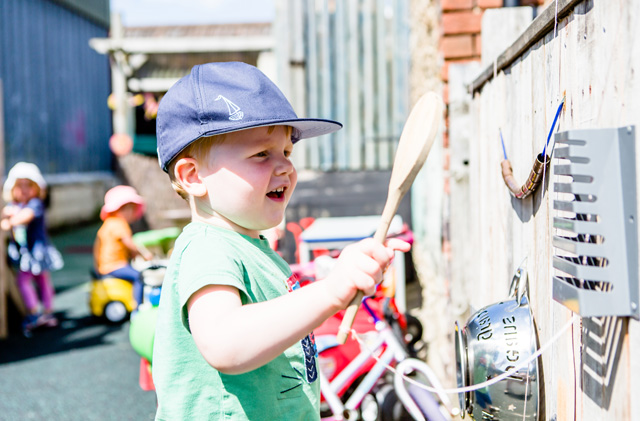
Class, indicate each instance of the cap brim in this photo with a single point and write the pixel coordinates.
(306, 127)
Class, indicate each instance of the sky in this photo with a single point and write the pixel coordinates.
(192, 12)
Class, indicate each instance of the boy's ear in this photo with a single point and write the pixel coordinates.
(186, 172)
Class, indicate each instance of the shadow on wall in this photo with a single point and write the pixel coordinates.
(602, 338)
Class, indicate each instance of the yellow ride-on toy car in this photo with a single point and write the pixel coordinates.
(112, 298)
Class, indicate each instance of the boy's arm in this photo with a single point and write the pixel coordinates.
(236, 338)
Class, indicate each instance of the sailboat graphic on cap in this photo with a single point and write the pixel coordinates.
(234, 111)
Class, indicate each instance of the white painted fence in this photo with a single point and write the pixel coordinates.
(593, 54)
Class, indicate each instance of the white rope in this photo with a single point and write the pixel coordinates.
(478, 385)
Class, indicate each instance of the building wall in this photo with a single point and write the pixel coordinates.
(444, 34)
(349, 62)
(55, 88)
(590, 370)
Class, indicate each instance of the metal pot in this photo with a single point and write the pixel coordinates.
(494, 340)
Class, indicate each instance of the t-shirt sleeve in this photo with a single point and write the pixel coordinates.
(202, 264)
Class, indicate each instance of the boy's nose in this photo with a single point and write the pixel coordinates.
(285, 166)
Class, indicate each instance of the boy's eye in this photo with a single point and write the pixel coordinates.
(262, 154)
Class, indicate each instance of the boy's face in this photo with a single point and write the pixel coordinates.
(249, 180)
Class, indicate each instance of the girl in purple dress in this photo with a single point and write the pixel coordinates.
(29, 249)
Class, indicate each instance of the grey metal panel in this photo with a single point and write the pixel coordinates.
(56, 88)
(608, 261)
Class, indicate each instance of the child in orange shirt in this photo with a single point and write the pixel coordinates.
(114, 248)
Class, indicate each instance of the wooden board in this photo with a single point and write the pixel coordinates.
(591, 372)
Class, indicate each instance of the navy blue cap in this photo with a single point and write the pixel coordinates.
(217, 98)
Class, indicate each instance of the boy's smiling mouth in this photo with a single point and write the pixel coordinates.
(277, 193)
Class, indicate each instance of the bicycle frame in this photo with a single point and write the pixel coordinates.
(383, 344)
(419, 402)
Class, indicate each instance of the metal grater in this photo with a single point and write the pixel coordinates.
(596, 236)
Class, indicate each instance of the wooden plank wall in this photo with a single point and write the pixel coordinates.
(55, 87)
(4, 287)
(355, 60)
(592, 371)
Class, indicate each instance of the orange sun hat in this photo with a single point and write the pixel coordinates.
(117, 197)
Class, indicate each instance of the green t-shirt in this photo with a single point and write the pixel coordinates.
(188, 388)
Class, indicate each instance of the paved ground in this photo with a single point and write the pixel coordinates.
(86, 370)
(81, 370)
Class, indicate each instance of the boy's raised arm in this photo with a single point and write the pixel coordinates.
(236, 338)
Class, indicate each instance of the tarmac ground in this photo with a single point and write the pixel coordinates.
(87, 370)
(84, 369)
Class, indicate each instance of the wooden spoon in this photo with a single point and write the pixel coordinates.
(416, 139)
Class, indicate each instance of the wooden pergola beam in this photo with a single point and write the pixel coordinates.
(168, 45)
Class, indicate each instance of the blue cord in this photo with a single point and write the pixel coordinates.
(555, 119)
(369, 310)
(504, 151)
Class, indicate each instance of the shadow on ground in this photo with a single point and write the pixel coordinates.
(83, 369)
(71, 334)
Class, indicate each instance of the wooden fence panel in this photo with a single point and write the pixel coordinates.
(355, 56)
(591, 372)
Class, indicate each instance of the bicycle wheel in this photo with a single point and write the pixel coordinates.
(426, 402)
(392, 409)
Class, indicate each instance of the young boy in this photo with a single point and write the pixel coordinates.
(233, 339)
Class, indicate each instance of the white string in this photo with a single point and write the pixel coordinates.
(478, 385)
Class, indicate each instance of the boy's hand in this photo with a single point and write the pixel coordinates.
(361, 267)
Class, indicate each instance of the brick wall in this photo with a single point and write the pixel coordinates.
(461, 42)
(460, 39)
